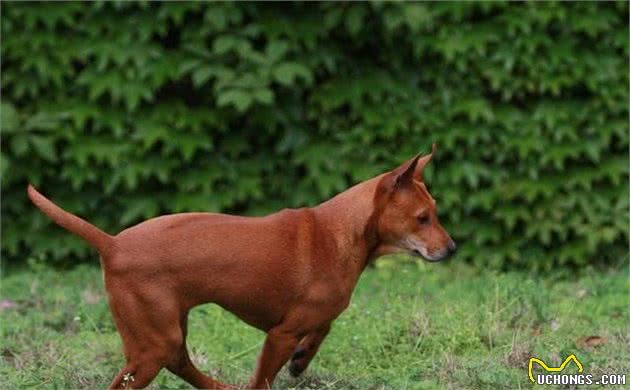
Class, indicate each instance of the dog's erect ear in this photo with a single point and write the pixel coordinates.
(404, 174)
(422, 162)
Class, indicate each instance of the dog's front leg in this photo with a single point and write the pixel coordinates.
(277, 349)
(306, 350)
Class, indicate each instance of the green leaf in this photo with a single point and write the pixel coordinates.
(263, 95)
(45, 147)
(240, 99)
(287, 73)
(9, 119)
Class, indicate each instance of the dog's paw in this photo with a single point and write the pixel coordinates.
(296, 368)
(298, 364)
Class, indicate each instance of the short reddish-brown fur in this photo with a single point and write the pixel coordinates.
(289, 274)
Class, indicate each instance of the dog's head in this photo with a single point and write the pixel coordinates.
(407, 218)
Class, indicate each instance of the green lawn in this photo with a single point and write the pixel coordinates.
(410, 326)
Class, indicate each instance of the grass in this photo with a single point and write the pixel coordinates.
(410, 326)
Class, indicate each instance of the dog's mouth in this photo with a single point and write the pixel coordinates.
(431, 259)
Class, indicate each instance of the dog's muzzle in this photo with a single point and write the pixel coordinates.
(449, 250)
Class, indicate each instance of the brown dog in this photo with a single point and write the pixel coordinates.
(289, 274)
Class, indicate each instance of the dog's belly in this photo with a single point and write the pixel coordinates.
(257, 314)
(266, 308)
(259, 299)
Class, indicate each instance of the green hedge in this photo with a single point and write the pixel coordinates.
(123, 111)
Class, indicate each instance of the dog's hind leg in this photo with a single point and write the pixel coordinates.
(152, 339)
(136, 375)
(183, 367)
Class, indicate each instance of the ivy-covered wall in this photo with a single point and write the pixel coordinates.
(123, 111)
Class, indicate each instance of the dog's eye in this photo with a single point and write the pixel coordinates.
(424, 219)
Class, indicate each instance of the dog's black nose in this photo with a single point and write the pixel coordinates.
(452, 247)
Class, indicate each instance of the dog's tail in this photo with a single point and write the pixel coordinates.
(100, 240)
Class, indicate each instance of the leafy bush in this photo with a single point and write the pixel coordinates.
(123, 111)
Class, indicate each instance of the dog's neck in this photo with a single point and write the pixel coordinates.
(349, 217)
